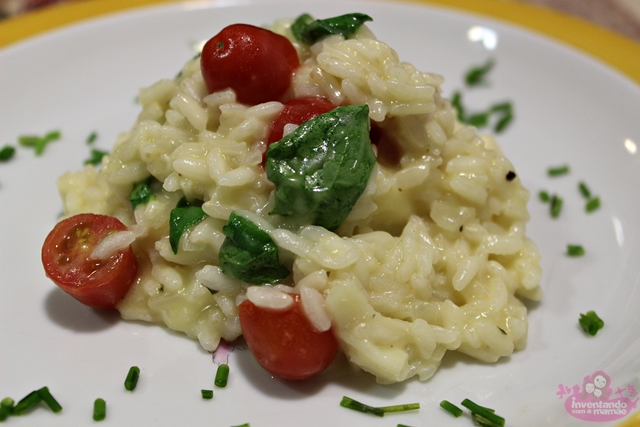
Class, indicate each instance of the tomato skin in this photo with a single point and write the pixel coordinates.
(257, 64)
(298, 111)
(284, 342)
(65, 257)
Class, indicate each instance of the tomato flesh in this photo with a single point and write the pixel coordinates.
(298, 111)
(65, 257)
(257, 64)
(284, 342)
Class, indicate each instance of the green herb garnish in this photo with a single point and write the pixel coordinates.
(584, 190)
(558, 170)
(26, 403)
(451, 408)
(575, 250)
(591, 323)
(544, 196)
(222, 375)
(142, 193)
(47, 398)
(99, 409)
(484, 416)
(6, 406)
(321, 169)
(182, 217)
(38, 143)
(132, 378)
(305, 30)
(249, 254)
(592, 204)
(503, 111)
(299, 25)
(96, 157)
(476, 76)
(7, 153)
(207, 394)
(92, 138)
(349, 403)
(456, 102)
(556, 206)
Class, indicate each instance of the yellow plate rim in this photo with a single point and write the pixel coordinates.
(616, 50)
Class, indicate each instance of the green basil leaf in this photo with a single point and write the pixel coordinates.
(142, 193)
(180, 219)
(346, 25)
(299, 25)
(322, 168)
(249, 254)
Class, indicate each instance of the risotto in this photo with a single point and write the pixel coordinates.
(429, 255)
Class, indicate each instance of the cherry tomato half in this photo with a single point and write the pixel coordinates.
(284, 342)
(298, 111)
(257, 64)
(65, 257)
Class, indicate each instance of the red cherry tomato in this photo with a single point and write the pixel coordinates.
(65, 257)
(298, 111)
(257, 64)
(284, 342)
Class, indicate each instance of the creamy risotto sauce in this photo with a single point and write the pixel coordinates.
(433, 256)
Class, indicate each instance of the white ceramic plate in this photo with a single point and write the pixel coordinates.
(569, 108)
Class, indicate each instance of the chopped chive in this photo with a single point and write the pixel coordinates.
(591, 323)
(400, 408)
(7, 153)
(47, 398)
(506, 110)
(222, 375)
(5, 408)
(476, 76)
(99, 409)
(584, 190)
(39, 143)
(557, 171)
(96, 157)
(349, 403)
(478, 120)
(544, 196)
(503, 123)
(575, 250)
(92, 137)
(456, 102)
(451, 408)
(132, 378)
(484, 422)
(26, 403)
(402, 425)
(556, 206)
(28, 140)
(483, 415)
(592, 204)
(243, 425)
(207, 394)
